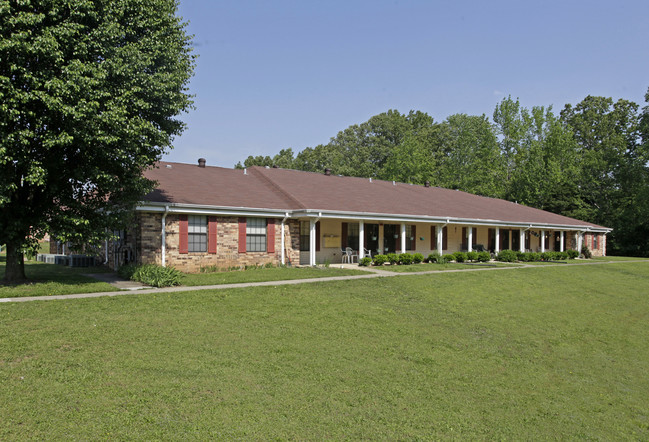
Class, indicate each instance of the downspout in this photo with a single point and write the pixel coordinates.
(163, 247)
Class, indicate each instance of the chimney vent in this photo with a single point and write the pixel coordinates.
(427, 184)
(327, 171)
(275, 166)
(201, 162)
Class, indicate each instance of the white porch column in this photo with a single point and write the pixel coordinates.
(403, 237)
(561, 244)
(580, 238)
(497, 249)
(521, 240)
(440, 239)
(361, 240)
(283, 255)
(542, 241)
(470, 239)
(312, 233)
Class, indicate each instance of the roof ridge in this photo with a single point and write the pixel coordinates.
(277, 187)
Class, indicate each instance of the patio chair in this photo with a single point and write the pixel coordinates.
(344, 256)
(351, 254)
(367, 253)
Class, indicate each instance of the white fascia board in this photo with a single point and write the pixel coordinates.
(364, 216)
(194, 209)
(441, 220)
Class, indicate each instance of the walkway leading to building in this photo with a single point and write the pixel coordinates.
(371, 273)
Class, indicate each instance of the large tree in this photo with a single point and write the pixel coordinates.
(90, 91)
(613, 169)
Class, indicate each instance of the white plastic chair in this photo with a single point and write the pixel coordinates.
(351, 254)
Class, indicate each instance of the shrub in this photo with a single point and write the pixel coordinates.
(521, 256)
(586, 253)
(379, 260)
(269, 265)
(153, 275)
(126, 271)
(562, 255)
(393, 258)
(405, 259)
(447, 258)
(572, 254)
(484, 256)
(417, 258)
(364, 262)
(472, 256)
(459, 256)
(506, 256)
(434, 257)
(534, 257)
(546, 256)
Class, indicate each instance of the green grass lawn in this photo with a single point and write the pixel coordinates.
(533, 353)
(53, 279)
(264, 274)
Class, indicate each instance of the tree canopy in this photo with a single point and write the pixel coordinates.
(590, 162)
(90, 91)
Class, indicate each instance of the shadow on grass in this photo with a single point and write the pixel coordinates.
(52, 279)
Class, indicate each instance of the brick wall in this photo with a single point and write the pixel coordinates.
(148, 244)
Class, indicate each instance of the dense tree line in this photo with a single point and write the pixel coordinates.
(591, 161)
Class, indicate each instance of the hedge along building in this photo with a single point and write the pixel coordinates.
(200, 216)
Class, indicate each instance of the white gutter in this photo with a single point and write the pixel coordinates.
(282, 242)
(163, 247)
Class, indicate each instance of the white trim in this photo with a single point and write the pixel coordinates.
(364, 216)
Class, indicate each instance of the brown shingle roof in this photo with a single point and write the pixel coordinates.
(286, 189)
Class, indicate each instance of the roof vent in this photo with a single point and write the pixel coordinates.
(275, 166)
(168, 166)
(327, 171)
(394, 183)
(201, 162)
(427, 184)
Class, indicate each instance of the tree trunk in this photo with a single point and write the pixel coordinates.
(15, 268)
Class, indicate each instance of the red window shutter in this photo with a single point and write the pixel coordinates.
(211, 234)
(343, 235)
(317, 236)
(270, 235)
(445, 238)
(465, 243)
(183, 240)
(414, 238)
(474, 237)
(433, 238)
(242, 235)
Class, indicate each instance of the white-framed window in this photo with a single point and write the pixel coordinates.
(305, 236)
(197, 233)
(256, 235)
(595, 244)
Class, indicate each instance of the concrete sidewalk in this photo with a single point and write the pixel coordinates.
(116, 281)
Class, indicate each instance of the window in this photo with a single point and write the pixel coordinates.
(411, 241)
(352, 235)
(304, 236)
(256, 235)
(595, 245)
(197, 233)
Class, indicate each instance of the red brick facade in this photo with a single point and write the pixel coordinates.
(143, 244)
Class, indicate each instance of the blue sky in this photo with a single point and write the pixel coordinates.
(277, 74)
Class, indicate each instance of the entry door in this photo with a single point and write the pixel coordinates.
(390, 243)
(372, 238)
